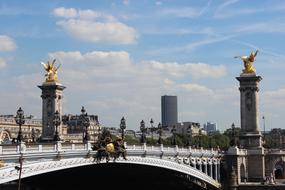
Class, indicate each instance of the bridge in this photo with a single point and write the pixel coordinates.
(201, 166)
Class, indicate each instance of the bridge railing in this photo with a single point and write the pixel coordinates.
(173, 149)
(8, 148)
(49, 147)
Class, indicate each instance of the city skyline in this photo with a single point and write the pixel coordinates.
(119, 57)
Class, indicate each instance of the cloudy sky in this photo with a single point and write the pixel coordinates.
(119, 57)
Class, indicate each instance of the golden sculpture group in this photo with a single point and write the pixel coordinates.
(51, 69)
(248, 62)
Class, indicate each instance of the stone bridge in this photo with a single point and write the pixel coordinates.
(201, 166)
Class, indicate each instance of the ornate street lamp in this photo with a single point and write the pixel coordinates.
(173, 131)
(200, 138)
(143, 130)
(33, 135)
(56, 123)
(159, 141)
(151, 129)
(263, 118)
(85, 122)
(123, 127)
(233, 135)
(189, 132)
(20, 120)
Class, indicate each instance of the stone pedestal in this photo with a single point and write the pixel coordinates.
(249, 112)
(250, 137)
(256, 164)
(21, 147)
(51, 96)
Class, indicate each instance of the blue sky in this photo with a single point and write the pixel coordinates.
(118, 57)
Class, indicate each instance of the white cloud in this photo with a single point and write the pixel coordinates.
(196, 88)
(88, 14)
(112, 32)
(65, 13)
(196, 70)
(2, 63)
(69, 13)
(275, 94)
(7, 43)
(94, 58)
(91, 26)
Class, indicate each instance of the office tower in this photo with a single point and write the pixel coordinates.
(169, 113)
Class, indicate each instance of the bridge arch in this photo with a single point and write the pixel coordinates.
(122, 175)
(46, 166)
(203, 166)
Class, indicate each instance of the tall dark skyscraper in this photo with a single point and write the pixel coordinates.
(169, 113)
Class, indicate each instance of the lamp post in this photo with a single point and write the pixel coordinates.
(143, 129)
(20, 120)
(123, 127)
(33, 135)
(159, 133)
(189, 132)
(151, 129)
(173, 131)
(200, 138)
(56, 123)
(233, 135)
(85, 122)
(19, 168)
(263, 118)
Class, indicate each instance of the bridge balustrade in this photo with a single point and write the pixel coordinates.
(198, 162)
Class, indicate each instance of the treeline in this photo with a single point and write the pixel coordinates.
(220, 141)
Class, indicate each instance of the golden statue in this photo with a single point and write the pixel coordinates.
(51, 69)
(248, 62)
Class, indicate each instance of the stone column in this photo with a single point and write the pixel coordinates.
(216, 171)
(219, 170)
(206, 168)
(51, 102)
(250, 137)
(249, 111)
(211, 170)
(194, 165)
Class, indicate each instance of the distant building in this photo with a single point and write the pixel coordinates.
(277, 138)
(169, 114)
(189, 128)
(71, 130)
(75, 130)
(210, 127)
(9, 129)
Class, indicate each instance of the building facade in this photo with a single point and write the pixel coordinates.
(189, 128)
(31, 130)
(75, 130)
(169, 114)
(210, 127)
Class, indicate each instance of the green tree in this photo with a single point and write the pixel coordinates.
(131, 140)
